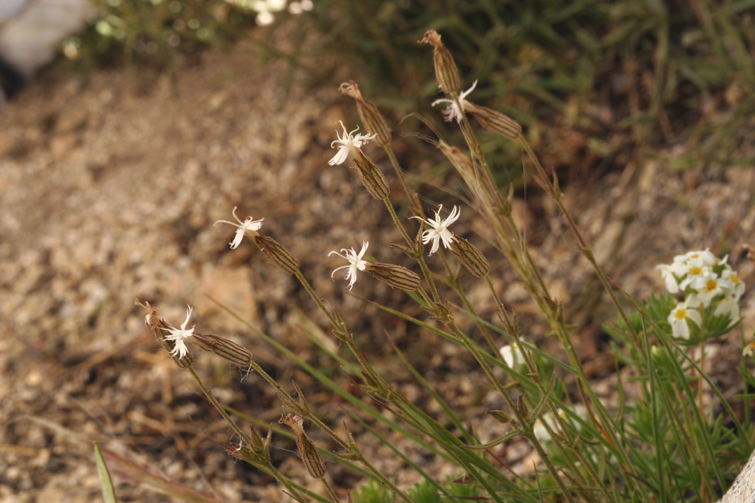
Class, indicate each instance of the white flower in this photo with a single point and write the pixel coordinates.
(348, 144)
(696, 277)
(667, 273)
(729, 306)
(749, 350)
(355, 262)
(737, 285)
(439, 229)
(679, 318)
(247, 225)
(179, 334)
(512, 355)
(713, 287)
(453, 112)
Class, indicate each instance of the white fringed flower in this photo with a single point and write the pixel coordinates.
(348, 144)
(247, 225)
(453, 112)
(679, 318)
(179, 334)
(355, 263)
(439, 229)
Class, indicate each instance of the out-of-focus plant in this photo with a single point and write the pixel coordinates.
(155, 30)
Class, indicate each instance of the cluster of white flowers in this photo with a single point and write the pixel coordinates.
(706, 281)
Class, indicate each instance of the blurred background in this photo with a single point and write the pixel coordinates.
(130, 126)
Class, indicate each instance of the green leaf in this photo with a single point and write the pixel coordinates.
(108, 492)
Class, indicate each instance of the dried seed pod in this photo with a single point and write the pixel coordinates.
(277, 253)
(371, 117)
(372, 178)
(307, 450)
(494, 121)
(395, 275)
(224, 348)
(445, 68)
(470, 256)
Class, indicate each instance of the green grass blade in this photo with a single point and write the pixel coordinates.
(108, 491)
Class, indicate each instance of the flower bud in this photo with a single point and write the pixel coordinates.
(224, 348)
(445, 67)
(371, 117)
(501, 416)
(307, 450)
(470, 256)
(277, 253)
(395, 275)
(372, 178)
(494, 121)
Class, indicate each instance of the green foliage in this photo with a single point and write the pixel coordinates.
(154, 31)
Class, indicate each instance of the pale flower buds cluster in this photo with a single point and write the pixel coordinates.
(494, 121)
(224, 348)
(371, 117)
(307, 450)
(277, 253)
(445, 67)
(395, 275)
(707, 282)
(470, 256)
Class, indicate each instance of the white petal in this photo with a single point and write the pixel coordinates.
(237, 238)
(340, 157)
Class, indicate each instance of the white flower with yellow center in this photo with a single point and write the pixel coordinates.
(737, 287)
(178, 335)
(512, 355)
(728, 306)
(679, 318)
(249, 224)
(355, 263)
(348, 144)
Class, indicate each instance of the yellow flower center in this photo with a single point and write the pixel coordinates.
(711, 285)
(696, 270)
(681, 313)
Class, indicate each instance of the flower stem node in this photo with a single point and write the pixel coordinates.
(307, 450)
(445, 67)
(470, 256)
(395, 275)
(249, 225)
(277, 253)
(368, 112)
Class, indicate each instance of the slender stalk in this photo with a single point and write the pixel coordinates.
(331, 493)
(268, 467)
(416, 206)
